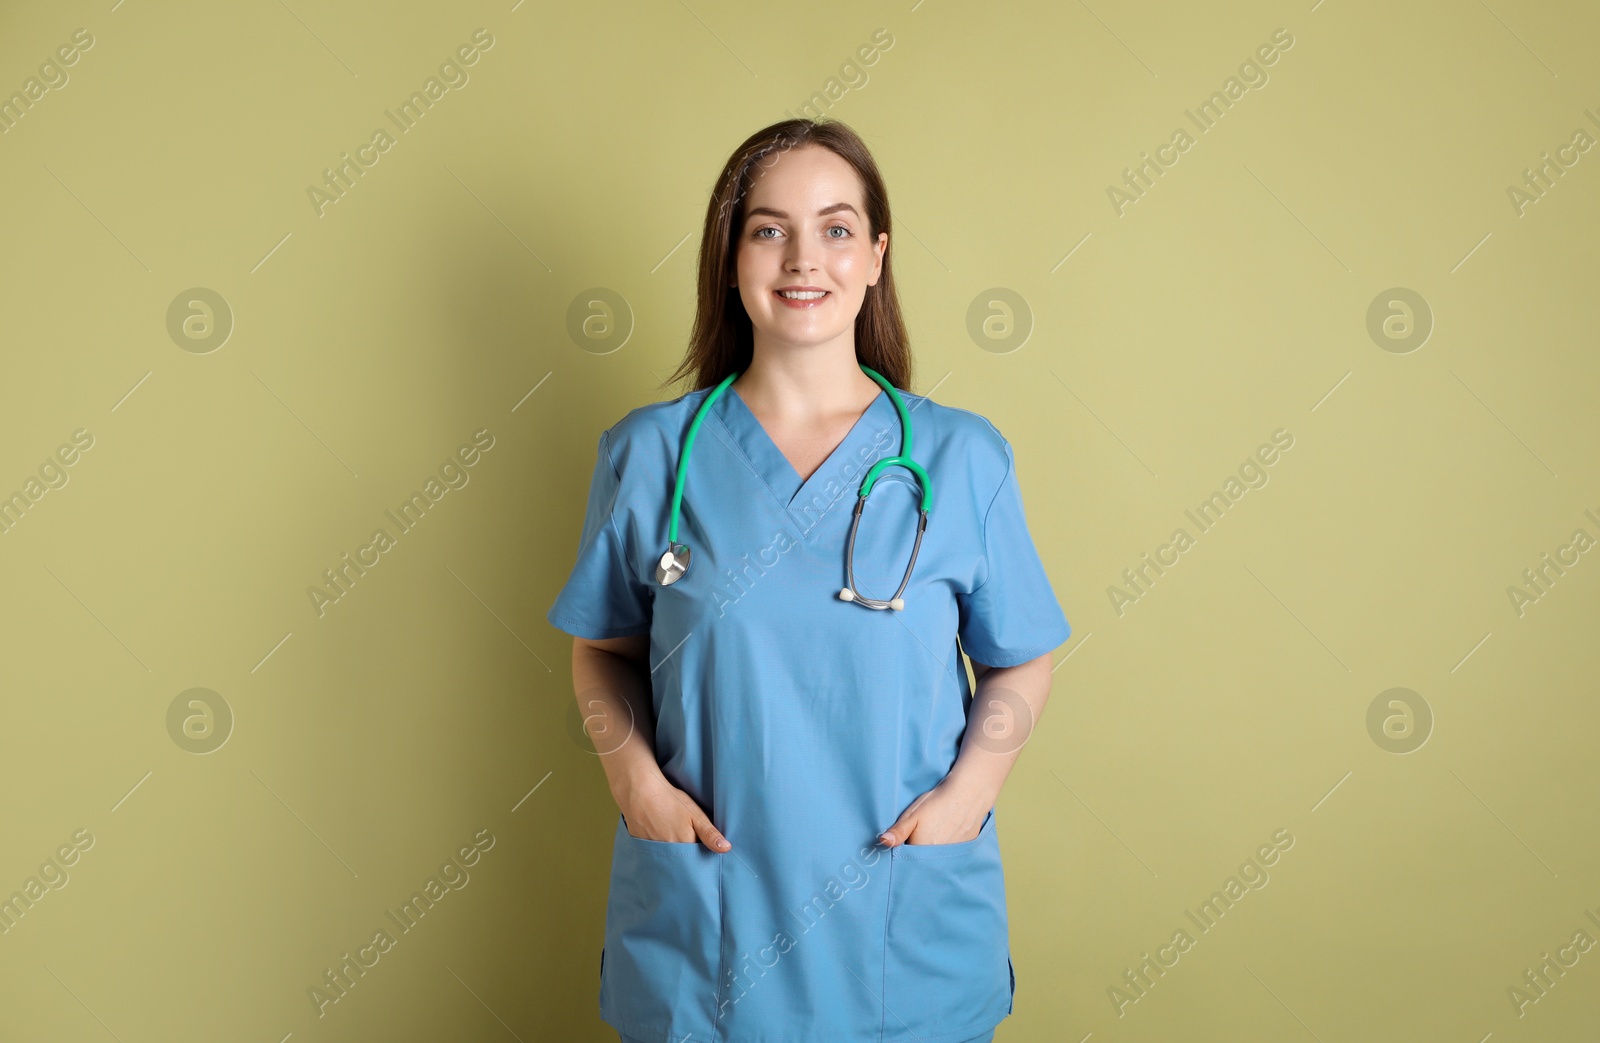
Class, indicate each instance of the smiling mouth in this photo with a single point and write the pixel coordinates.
(801, 298)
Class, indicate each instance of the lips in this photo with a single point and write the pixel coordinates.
(813, 296)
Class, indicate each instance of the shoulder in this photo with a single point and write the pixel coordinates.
(955, 421)
(647, 433)
(961, 435)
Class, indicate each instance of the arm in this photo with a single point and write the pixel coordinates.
(1006, 707)
(611, 679)
(998, 725)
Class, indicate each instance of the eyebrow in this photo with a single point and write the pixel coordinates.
(771, 212)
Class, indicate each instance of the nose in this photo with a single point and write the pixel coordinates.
(797, 255)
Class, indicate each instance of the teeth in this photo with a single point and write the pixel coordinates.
(805, 295)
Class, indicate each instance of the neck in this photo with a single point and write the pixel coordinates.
(806, 383)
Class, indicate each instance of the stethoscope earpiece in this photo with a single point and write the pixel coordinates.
(675, 562)
(849, 595)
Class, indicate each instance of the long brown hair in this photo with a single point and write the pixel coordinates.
(723, 340)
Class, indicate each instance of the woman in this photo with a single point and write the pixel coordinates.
(806, 850)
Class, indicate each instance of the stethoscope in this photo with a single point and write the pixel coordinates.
(675, 562)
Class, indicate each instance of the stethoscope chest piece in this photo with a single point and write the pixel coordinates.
(673, 564)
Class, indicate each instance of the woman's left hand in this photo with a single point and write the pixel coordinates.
(946, 814)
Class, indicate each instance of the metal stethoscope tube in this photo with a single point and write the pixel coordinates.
(849, 593)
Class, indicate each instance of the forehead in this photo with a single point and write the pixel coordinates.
(803, 181)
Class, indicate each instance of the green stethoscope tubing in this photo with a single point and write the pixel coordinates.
(902, 459)
(688, 444)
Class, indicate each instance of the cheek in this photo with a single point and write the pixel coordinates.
(746, 269)
(852, 265)
(754, 261)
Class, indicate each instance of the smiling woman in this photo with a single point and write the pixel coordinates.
(801, 729)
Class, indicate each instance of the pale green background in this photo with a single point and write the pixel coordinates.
(1230, 702)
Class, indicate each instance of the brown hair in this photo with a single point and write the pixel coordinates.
(723, 340)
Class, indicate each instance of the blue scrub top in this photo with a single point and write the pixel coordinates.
(804, 725)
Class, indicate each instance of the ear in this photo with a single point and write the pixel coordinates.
(879, 248)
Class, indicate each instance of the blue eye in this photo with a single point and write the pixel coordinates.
(832, 228)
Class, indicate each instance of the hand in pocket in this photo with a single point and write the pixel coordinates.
(945, 814)
(664, 813)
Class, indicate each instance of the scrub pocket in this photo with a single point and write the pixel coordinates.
(948, 960)
(659, 966)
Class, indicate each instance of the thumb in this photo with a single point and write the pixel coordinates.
(700, 822)
(709, 835)
(896, 834)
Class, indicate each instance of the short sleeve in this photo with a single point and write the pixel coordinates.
(602, 597)
(1012, 616)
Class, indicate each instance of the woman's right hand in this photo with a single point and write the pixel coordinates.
(658, 810)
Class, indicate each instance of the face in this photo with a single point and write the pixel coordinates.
(805, 225)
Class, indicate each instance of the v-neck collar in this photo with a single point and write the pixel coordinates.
(779, 474)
